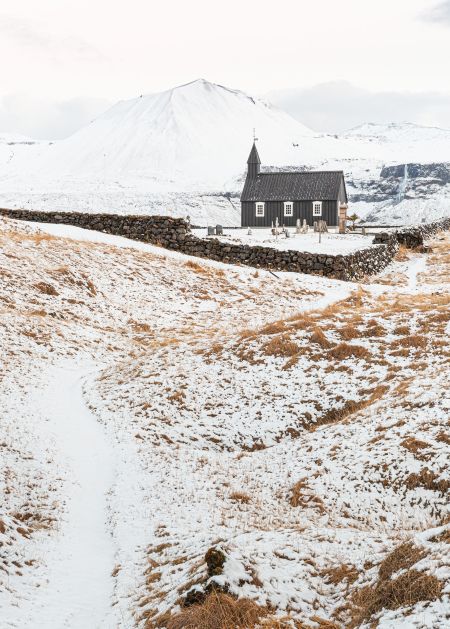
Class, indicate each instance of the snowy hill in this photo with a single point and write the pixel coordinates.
(184, 151)
(16, 151)
(197, 132)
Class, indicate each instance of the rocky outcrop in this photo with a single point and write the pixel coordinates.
(437, 172)
(399, 182)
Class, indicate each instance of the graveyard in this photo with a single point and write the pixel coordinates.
(291, 238)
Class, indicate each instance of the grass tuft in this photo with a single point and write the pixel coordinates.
(218, 611)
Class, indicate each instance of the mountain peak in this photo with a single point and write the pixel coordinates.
(197, 134)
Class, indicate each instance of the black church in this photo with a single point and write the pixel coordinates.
(311, 195)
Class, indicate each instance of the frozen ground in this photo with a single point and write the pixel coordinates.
(331, 243)
(153, 405)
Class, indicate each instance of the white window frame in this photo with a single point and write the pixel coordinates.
(259, 209)
(317, 208)
(289, 211)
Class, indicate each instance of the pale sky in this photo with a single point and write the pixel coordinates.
(64, 61)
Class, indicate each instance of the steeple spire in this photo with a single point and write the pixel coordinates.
(253, 163)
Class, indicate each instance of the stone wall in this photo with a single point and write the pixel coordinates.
(414, 236)
(175, 233)
(159, 230)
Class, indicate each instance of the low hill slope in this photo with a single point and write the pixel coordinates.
(298, 426)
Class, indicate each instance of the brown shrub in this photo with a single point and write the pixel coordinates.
(350, 407)
(301, 496)
(275, 327)
(401, 558)
(428, 480)
(342, 351)
(240, 496)
(338, 574)
(194, 266)
(443, 437)
(319, 337)
(46, 288)
(348, 332)
(443, 537)
(218, 611)
(413, 341)
(281, 346)
(409, 588)
(140, 327)
(401, 330)
(415, 446)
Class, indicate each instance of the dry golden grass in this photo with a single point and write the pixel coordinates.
(412, 341)
(428, 480)
(218, 611)
(318, 336)
(281, 346)
(349, 408)
(403, 254)
(343, 351)
(401, 558)
(443, 437)
(47, 289)
(409, 588)
(348, 332)
(194, 266)
(240, 496)
(338, 574)
(415, 446)
(301, 496)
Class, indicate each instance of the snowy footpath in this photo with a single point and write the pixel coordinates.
(78, 559)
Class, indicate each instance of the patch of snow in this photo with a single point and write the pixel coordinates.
(77, 587)
(331, 243)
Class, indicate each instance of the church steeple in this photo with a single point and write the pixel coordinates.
(253, 163)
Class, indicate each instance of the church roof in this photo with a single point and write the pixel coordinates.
(253, 158)
(293, 186)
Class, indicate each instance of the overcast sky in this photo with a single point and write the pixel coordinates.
(337, 63)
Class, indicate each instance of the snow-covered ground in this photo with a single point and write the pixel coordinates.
(330, 242)
(154, 405)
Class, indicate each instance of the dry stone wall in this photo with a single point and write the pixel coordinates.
(414, 236)
(175, 233)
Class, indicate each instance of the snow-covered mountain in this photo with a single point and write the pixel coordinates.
(184, 151)
(195, 133)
